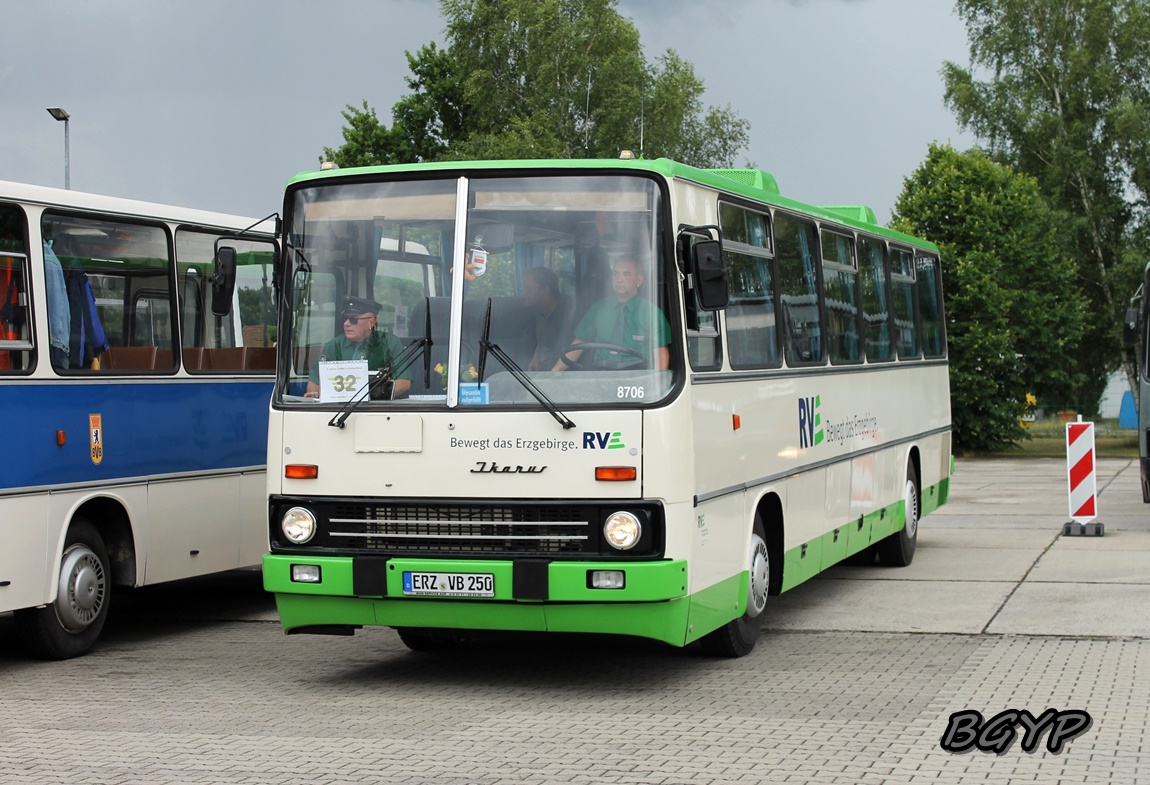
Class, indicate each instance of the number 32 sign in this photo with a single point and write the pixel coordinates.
(341, 380)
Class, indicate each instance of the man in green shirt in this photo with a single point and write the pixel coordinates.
(624, 319)
(361, 341)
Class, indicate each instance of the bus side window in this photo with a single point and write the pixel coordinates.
(243, 340)
(752, 334)
(109, 293)
(904, 302)
(841, 297)
(928, 277)
(798, 291)
(15, 325)
(875, 301)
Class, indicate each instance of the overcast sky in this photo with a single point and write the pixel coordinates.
(214, 104)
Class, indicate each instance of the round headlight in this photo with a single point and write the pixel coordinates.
(298, 525)
(622, 530)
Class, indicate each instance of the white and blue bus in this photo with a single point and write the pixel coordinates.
(135, 418)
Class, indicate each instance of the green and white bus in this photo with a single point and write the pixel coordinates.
(776, 401)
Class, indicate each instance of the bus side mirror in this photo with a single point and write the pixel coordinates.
(1130, 327)
(710, 275)
(223, 280)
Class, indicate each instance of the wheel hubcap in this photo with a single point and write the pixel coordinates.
(82, 589)
(911, 509)
(759, 577)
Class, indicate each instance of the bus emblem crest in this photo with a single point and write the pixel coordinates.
(96, 434)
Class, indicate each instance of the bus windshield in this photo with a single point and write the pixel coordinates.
(556, 281)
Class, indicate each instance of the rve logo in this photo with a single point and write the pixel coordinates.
(810, 421)
(593, 440)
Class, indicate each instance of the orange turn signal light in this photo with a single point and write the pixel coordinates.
(736, 422)
(61, 438)
(301, 471)
(615, 473)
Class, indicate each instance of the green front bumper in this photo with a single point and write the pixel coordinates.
(653, 604)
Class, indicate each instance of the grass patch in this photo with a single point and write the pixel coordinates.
(1048, 440)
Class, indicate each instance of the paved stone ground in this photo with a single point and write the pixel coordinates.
(182, 693)
(235, 702)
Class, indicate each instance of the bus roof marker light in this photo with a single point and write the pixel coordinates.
(301, 471)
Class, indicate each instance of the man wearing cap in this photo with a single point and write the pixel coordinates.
(361, 341)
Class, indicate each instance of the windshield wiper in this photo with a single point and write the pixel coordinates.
(485, 346)
(400, 364)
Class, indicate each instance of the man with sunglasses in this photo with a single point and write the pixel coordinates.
(361, 341)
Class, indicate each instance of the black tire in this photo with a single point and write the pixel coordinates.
(69, 626)
(428, 639)
(864, 558)
(737, 637)
(897, 550)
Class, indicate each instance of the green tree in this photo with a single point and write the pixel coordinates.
(1065, 98)
(543, 79)
(1013, 315)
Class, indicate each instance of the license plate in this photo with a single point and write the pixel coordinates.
(449, 584)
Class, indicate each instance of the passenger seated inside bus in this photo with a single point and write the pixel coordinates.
(554, 317)
(633, 328)
(360, 341)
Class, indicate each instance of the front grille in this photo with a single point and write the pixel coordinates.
(467, 528)
(425, 529)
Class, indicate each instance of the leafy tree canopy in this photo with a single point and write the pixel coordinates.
(1013, 315)
(543, 79)
(1060, 89)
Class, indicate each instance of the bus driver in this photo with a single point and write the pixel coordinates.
(361, 341)
(624, 319)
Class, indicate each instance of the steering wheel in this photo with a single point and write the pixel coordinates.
(592, 347)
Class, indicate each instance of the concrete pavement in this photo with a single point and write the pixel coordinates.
(994, 561)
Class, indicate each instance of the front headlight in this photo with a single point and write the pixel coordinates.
(622, 530)
(298, 525)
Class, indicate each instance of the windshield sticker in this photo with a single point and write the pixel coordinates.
(470, 395)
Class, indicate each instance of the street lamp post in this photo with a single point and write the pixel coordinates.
(60, 114)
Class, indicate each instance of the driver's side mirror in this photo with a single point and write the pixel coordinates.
(710, 274)
(223, 280)
(1130, 327)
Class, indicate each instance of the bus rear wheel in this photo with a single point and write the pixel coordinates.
(69, 626)
(737, 637)
(897, 550)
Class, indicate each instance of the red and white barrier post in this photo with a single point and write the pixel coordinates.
(1083, 485)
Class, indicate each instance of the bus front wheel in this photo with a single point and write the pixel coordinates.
(737, 637)
(70, 625)
(427, 639)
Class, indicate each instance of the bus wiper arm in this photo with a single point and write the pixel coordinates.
(400, 363)
(485, 346)
(364, 393)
